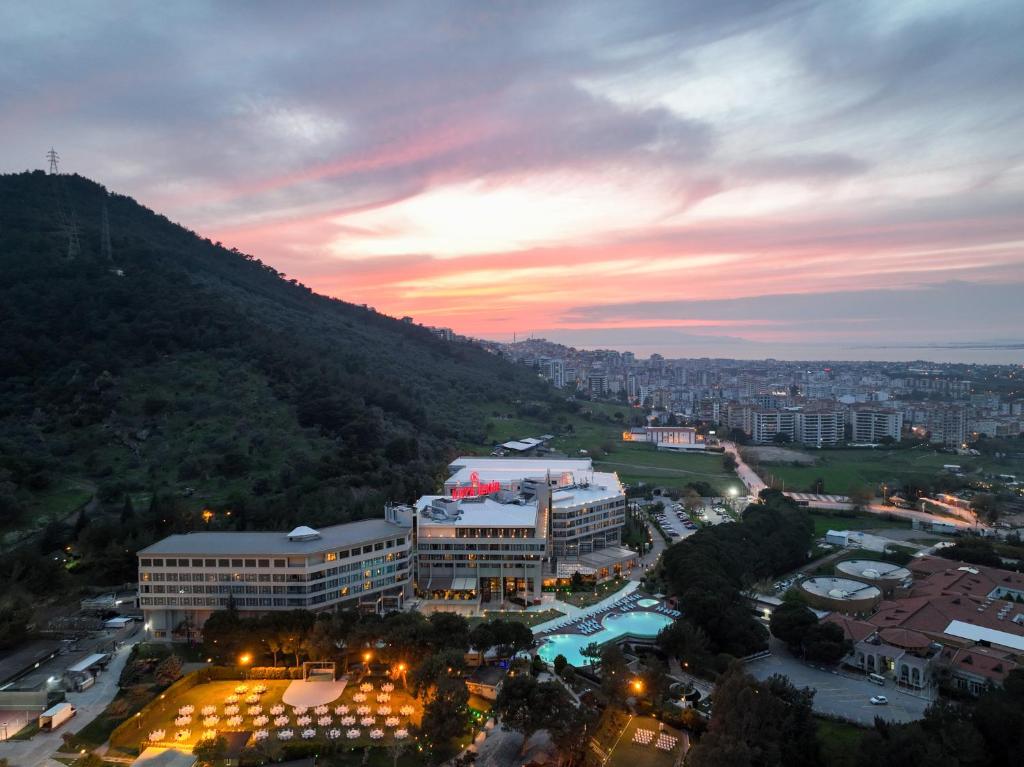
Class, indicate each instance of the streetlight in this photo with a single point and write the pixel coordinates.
(245, 659)
(638, 686)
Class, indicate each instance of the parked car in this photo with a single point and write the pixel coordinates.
(879, 700)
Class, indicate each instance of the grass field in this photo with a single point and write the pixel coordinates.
(214, 693)
(600, 435)
(843, 469)
(823, 522)
(627, 753)
(643, 463)
(840, 743)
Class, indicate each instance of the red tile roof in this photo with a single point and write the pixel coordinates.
(854, 629)
(984, 661)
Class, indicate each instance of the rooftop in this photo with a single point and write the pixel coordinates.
(274, 543)
(483, 511)
(506, 470)
(840, 588)
(869, 568)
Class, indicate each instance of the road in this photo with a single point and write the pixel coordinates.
(748, 476)
(38, 751)
(650, 559)
(840, 695)
(911, 514)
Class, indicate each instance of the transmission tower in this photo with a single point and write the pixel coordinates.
(105, 250)
(65, 220)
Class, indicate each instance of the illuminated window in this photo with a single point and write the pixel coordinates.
(331, 556)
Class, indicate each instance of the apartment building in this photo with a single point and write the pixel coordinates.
(870, 425)
(822, 426)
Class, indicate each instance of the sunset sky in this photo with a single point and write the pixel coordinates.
(747, 179)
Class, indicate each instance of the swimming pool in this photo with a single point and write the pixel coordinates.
(642, 625)
(648, 603)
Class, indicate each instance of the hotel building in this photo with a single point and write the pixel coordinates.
(183, 579)
(505, 527)
(502, 528)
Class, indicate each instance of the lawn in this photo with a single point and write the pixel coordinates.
(843, 469)
(214, 693)
(628, 753)
(823, 522)
(587, 598)
(643, 463)
(528, 617)
(633, 462)
(839, 743)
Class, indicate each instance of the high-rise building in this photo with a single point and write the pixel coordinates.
(558, 374)
(597, 383)
(820, 426)
(946, 424)
(870, 425)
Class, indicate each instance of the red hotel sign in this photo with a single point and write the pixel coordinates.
(475, 488)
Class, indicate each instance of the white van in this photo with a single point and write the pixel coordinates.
(877, 679)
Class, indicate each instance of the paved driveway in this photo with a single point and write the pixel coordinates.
(38, 751)
(840, 695)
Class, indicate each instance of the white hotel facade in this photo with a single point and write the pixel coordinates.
(502, 528)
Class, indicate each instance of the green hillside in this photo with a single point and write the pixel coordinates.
(187, 376)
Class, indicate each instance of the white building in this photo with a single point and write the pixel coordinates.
(183, 579)
(501, 528)
(870, 425)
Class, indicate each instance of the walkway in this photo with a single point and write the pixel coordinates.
(574, 613)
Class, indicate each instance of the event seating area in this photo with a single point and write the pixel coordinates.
(371, 713)
(664, 741)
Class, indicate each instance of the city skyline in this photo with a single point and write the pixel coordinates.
(797, 180)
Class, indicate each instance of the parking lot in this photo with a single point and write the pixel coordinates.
(840, 695)
(675, 522)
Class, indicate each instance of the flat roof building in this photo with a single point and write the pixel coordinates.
(184, 578)
(497, 530)
(844, 595)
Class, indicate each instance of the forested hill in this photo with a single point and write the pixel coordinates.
(180, 368)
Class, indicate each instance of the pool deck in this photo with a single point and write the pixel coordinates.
(575, 613)
(620, 605)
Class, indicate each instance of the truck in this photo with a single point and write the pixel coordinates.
(54, 717)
